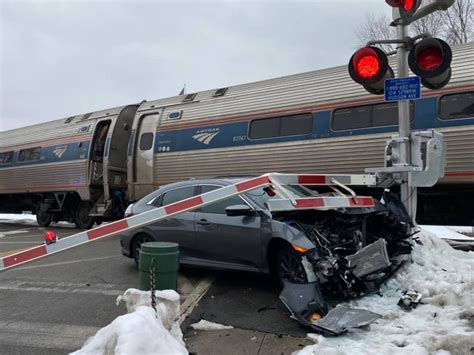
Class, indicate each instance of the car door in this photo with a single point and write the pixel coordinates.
(225, 239)
(179, 228)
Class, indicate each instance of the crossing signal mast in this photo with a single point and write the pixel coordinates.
(430, 60)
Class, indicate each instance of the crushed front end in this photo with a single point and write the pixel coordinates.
(356, 250)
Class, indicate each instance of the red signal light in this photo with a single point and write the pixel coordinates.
(431, 60)
(409, 5)
(369, 67)
(406, 7)
(366, 63)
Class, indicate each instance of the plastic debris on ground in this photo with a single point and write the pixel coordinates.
(141, 331)
(443, 324)
(206, 325)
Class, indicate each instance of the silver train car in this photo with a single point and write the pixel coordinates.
(73, 169)
(315, 122)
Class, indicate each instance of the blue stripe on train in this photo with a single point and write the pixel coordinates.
(54, 154)
(235, 134)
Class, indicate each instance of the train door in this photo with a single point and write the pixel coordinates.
(115, 161)
(96, 171)
(143, 156)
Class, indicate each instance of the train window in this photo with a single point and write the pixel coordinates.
(350, 118)
(146, 141)
(189, 97)
(297, 124)
(220, 92)
(281, 126)
(456, 106)
(265, 128)
(378, 115)
(30, 154)
(6, 157)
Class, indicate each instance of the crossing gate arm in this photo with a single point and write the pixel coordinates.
(207, 198)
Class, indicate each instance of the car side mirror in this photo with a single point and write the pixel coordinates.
(239, 210)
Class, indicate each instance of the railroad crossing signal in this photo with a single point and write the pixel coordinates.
(369, 67)
(431, 60)
(406, 7)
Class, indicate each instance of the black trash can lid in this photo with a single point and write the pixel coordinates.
(156, 247)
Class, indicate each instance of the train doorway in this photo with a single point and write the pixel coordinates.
(143, 160)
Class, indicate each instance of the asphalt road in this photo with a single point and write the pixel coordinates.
(52, 305)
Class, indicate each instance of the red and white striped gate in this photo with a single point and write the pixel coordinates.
(275, 181)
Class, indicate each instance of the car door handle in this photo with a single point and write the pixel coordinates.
(203, 222)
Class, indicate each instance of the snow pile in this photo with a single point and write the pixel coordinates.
(10, 217)
(449, 232)
(206, 325)
(141, 331)
(442, 325)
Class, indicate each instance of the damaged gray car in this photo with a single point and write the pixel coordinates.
(319, 256)
(354, 251)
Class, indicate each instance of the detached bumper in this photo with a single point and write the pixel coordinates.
(302, 300)
(306, 303)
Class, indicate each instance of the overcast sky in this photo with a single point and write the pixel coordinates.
(62, 58)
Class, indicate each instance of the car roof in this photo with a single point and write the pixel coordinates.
(191, 182)
(221, 180)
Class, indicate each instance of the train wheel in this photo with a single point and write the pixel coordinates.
(43, 218)
(81, 216)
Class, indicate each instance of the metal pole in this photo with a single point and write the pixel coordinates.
(408, 194)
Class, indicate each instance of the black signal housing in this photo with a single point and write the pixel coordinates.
(431, 60)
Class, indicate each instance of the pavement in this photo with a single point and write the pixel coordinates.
(52, 305)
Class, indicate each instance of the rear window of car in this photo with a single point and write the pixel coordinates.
(178, 194)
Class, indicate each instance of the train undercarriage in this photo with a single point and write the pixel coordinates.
(54, 207)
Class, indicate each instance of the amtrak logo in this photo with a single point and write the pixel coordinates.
(59, 151)
(205, 136)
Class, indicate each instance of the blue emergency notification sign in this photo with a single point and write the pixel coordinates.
(402, 89)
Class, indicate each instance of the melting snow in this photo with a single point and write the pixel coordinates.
(442, 325)
(141, 331)
(206, 325)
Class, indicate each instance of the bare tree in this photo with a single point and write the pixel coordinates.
(456, 25)
(375, 28)
(459, 22)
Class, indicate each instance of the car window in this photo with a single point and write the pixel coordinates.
(176, 195)
(219, 207)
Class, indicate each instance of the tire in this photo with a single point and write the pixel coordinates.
(290, 267)
(81, 216)
(43, 218)
(137, 242)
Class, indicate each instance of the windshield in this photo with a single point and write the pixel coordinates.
(260, 197)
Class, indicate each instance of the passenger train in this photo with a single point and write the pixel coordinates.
(87, 168)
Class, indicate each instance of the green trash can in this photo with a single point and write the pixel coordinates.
(164, 256)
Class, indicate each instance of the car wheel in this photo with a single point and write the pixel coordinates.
(290, 267)
(43, 218)
(81, 216)
(137, 242)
